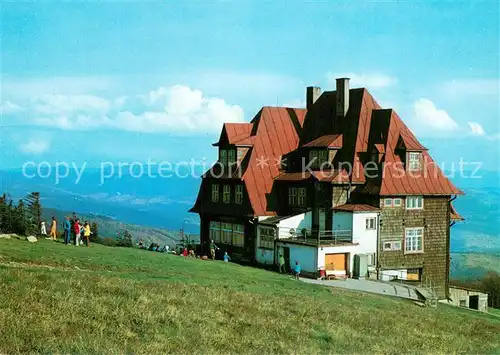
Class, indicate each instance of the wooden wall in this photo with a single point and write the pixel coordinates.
(434, 261)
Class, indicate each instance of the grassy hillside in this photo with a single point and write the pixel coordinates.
(109, 227)
(64, 299)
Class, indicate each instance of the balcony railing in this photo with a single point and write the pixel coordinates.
(323, 237)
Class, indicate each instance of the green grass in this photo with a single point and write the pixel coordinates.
(62, 299)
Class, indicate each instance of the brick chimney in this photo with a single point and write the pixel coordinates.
(312, 94)
(342, 97)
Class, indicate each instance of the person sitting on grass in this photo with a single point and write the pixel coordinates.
(297, 270)
(226, 257)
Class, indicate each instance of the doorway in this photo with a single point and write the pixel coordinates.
(474, 302)
(286, 256)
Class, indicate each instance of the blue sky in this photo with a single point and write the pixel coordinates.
(127, 81)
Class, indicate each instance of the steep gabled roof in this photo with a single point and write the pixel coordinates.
(430, 180)
(276, 131)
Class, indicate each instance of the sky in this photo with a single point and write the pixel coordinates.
(125, 82)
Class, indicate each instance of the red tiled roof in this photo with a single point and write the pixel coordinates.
(356, 207)
(328, 141)
(397, 181)
(380, 148)
(275, 132)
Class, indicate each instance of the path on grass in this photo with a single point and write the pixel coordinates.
(378, 287)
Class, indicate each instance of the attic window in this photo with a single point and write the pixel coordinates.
(414, 161)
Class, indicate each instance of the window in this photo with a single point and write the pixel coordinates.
(231, 157)
(392, 202)
(313, 158)
(318, 157)
(223, 157)
(215, 231)
(238, 235)
(238, 196)
(392, 246)
(301, 201)
(215, 193)
(292, 196)
(226, 229)
(226, 194)
(266, 238)
(414, 161)
(371, 259)
(414, 202)
(414, 240)
(370, 223)
(322, 157)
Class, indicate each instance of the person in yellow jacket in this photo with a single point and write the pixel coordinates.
(53, 229)
(87, 232)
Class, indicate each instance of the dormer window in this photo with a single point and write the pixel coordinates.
(227, 157)
(414, 159)
(317, 158)
(223, 157)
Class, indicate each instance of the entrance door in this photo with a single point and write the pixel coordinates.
(286, 255)
(474, 302)
(336, 262)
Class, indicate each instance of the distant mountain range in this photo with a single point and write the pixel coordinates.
(163, 203)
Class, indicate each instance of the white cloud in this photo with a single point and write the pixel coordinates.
(471, 87)
(184, 110)
(9, 107)
(35, 146)
(429, 117)
(476, 129)
(177, 109)
(368, 80)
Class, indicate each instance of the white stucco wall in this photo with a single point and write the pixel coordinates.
(297, 223)
(367, 239)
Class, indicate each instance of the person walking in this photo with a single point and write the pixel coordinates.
(53, 229)
(226, 257)
(77, 231)
(281, 262)
(43, 229)
(213, 247)
(67, 231)
(86, 233)
(297, 270)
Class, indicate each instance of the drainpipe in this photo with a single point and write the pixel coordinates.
(377, 267)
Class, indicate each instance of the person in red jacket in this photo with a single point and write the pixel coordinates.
(185, 252)
(77, 231)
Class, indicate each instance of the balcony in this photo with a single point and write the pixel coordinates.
(324, 237)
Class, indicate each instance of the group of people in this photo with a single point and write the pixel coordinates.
(73, 230)
(282, 268)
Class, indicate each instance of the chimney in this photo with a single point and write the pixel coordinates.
(342, 97)
(312, 94)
